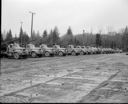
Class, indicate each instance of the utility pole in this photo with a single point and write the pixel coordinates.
(21, 34)
(83, 36)
(32, 22)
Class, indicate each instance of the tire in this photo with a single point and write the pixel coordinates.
(60, 53)
(33, 54)
(47, 54)
(81, 53)
(73, 53)
(87, 53)
(16, 56)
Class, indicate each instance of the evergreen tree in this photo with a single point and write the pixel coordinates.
(69, 31)
(98, 40)
(9, 36)
(50, 38)
(69, 36)
(125, 39)
(25, 38)
(1, 37)
(44, 37)
(45, 34)
(20, 35)
(53, 37)
(38, 39)
(56, 36)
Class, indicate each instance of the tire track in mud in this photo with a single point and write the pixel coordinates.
(104, 83)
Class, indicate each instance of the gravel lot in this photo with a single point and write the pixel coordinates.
(83, 79)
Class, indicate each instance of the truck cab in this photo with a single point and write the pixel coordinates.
(15, 51)
(82, 50)
(59, 51)
(47, 50)
(71, 50)
(85, 49)
(34, 51)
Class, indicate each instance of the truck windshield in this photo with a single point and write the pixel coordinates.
(16, 45)
(44, 46)
(57, 46)
(31, 46)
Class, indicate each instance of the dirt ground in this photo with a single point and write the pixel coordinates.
(85, 79)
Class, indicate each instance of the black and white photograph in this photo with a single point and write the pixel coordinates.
(64, 51)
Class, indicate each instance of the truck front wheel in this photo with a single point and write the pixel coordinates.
(73, 53)
(47, 54)
(33, 54)
(81, 53)
(60, 53)
(16, 56)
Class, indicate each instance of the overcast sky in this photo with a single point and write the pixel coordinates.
(79, 14)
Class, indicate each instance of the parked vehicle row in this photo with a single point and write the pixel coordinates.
(15, 51)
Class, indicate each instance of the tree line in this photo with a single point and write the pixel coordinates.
(116, 40)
